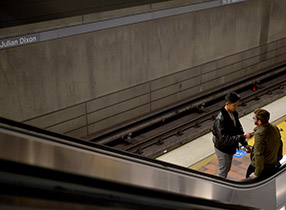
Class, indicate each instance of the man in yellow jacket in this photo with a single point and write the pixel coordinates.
(267, 149)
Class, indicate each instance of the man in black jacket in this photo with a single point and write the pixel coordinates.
(228, 133)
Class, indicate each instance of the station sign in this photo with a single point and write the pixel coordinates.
(231, 1)
(18, 41)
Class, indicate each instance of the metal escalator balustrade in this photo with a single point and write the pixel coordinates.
(65, 156)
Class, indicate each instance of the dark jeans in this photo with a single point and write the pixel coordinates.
(250, 170)
(264, 174)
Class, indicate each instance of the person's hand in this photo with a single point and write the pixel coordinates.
(252, 176)
(248, 148)
(249, 135)
(252, 134)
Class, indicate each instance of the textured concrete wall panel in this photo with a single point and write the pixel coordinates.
(175, 78)
(267, 63)
(229, 60)
(58, 117)
(259, 50)
(43, 78)
(190, 83)
(281, 59)
(212, 84)
(233, 77)
(171, 99)
(69, 125)
(216, 74)
(118, 97)
(118, 58)
(251, 61)
(178, 87)
(164, 92)
(227, 30)
(250, 70)
(121, 117)
(209, 67)
(281, 50)
(281, 43)
(277, 29)
(190, 92)
(118, 108)
(78, 133)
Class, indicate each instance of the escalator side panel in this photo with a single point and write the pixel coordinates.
(63, 156)
(74, 160)
(281, 190)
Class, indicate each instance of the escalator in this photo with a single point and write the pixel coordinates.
(44, 170)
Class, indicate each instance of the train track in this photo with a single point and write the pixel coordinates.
(155, 135)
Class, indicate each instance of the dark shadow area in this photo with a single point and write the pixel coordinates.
(15, 12)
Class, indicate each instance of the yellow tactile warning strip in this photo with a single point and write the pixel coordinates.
(239, 165)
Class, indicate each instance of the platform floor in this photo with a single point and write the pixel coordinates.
(199, 154)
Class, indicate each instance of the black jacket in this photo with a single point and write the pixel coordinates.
(226, 136)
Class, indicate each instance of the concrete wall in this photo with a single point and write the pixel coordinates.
(84, 83)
